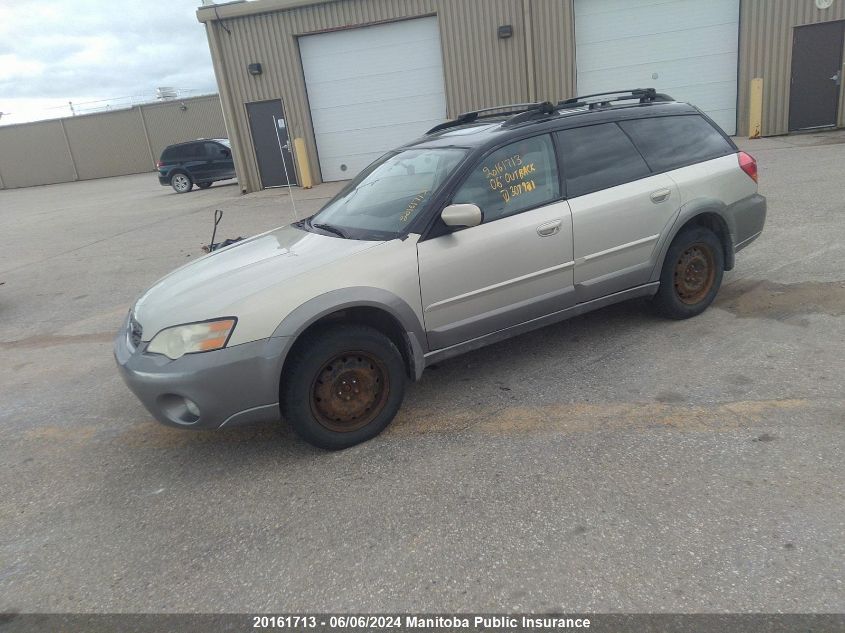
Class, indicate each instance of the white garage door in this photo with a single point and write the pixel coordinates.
(371, 89)
(685, 48)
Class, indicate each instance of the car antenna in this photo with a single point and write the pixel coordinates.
(282, 148)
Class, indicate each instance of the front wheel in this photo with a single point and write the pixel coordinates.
(342, 386)
(691, 275)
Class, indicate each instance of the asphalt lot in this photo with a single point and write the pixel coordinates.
(615, 462)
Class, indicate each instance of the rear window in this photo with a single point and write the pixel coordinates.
(169, 153)
(598, 157)
(671, 142)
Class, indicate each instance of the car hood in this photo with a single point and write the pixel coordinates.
(219, 284)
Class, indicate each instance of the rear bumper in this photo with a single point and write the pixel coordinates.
(749, 216)
(228, 387)
(164, 180)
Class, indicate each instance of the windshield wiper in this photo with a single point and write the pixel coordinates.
(330, 229)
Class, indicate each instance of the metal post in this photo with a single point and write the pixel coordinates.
(755, 108)
(285, 165)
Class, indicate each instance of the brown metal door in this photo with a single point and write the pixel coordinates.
(816, 75)
(272, 146)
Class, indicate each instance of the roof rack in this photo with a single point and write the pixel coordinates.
(521, 112)
(486, 113)
(644, 95)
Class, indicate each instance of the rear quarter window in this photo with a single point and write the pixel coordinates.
(675, 141)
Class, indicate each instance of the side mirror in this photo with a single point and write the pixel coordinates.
(461, 215)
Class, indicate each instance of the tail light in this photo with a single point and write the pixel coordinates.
(748, 164)
(159, 164)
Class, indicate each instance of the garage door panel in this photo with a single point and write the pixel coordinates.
(375, 61)
(686, 48)
(400, 84)
(371, 144)
(359, 116)
(661, 48)
(372, 89)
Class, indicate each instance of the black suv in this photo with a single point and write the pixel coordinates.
(198, 163)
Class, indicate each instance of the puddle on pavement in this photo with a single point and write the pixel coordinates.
(754, 299)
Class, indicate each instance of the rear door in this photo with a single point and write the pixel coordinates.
(516, 265)
(619, 209)
(219, 161)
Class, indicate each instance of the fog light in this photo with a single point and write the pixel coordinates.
(192, 407)
(179, 409)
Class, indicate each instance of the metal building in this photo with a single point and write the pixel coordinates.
(355, 78)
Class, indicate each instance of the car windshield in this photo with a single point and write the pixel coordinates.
(385, 198)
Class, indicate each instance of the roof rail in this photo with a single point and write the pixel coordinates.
(644, 95)
(485, 113)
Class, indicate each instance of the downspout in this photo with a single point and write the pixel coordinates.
(528, 30)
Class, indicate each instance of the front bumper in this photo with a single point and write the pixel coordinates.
(227, 387)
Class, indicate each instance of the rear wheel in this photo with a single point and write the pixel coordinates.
(692, 274)
(181, 182)
(342, 386)
(204, 185)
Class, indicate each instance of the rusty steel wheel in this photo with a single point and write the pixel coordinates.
(349, 391)
(691, 274)
(694, 274)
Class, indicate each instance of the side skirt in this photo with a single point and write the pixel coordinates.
(535, 324)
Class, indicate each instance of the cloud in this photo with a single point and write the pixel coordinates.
(77, 50)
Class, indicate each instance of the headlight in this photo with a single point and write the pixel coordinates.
(175, 342)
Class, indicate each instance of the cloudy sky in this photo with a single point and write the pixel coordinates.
(103, 51)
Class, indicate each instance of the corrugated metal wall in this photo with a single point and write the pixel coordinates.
(480, 69)
(765, 50)
(34, 154)
(105, 144)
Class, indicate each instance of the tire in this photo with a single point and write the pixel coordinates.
(691, 275)
(319, 391)
(181, 182)
(204, 185)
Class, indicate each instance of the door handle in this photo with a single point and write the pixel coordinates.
(661, 195)
(835, 78)
(548, 228)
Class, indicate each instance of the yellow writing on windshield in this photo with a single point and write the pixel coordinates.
(412, 205)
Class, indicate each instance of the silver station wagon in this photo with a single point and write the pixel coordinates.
(493, 224)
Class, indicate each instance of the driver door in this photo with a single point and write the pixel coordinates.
(514, 267)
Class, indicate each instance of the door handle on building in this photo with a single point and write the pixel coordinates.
(548, 228)
(836, 77)
(660, 195)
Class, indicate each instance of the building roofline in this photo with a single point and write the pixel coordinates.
(241, 8)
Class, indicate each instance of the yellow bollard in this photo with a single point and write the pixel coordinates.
(302, 161)
(755, 108)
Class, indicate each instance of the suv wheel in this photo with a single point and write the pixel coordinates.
(692, 274)
(181, 182)
(342, 386)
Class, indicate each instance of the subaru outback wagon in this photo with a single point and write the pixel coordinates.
(199, 163)
(494, 224)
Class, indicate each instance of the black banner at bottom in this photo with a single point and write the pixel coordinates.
(469, 623)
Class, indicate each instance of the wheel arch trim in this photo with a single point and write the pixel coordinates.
(308, 313)
(690, 211)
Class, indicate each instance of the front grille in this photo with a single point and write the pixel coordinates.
(135, 332)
